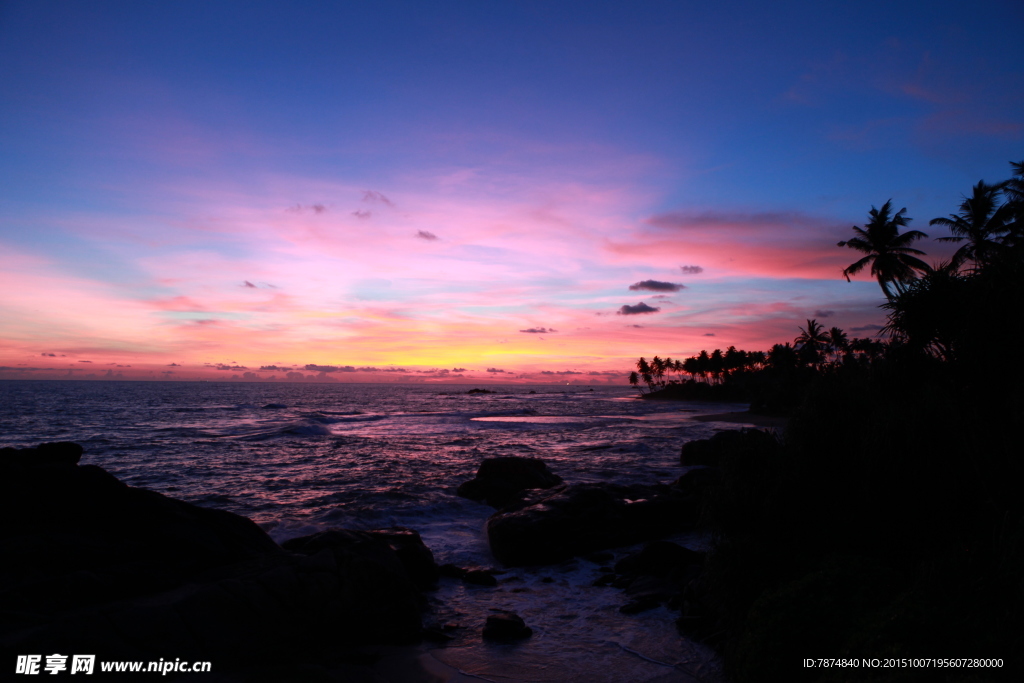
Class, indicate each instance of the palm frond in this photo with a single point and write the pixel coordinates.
(855, 268)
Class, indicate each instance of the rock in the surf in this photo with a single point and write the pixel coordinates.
(711, 451)
(658, 558)
(544, 527)
(506, 626)
(500, 480)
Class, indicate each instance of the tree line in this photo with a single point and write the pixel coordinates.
(928, 305)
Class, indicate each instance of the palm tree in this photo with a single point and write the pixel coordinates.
(703, 364)
(811, 342)
(716, 365)
(645, 373)
(814, 336)
(658, 370)
(782, 357)
(1014, 187)
(691, 367)
(669, 365)
(888, 251)
(1013, 190)
(734, 360)
(837, 341)
(677, 367)
(980, 222)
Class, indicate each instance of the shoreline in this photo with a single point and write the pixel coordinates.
(764, 421)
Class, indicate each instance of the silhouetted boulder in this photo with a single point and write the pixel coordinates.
(480, 577)
(697, 481)
(658, 558)
(640, 605)
(55, 453)
(544, 527)
(500, 480)
(710, 451)
(92, 565)
(413, 553)
(506, 626)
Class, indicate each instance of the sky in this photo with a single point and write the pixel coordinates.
(470, 191)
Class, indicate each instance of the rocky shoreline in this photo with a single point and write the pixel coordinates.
(97, 566)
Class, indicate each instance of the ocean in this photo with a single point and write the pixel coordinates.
(300, 457)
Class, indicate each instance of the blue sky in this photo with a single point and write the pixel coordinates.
(558, 152)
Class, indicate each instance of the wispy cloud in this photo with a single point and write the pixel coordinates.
(375, 197)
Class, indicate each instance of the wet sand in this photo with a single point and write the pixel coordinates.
(771, 421)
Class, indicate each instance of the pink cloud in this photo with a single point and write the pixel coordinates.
(773, 245)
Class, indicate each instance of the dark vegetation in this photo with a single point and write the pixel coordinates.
(773, 381)
(889, 521)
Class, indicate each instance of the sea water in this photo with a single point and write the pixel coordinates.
(301, 457)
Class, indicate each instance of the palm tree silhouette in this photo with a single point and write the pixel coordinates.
(645, 373)
(782, 357)
(1013, 190)
(812, 340)
(703, 364)
(837, 342)
(658, 370)
(892, 260)
(980, 222)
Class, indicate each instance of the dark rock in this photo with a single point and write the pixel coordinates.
(621, 581)
(54, 453)
(92, 565)
(698, 481)
(545, 527)
(697, 627)
(506, 626)
(413, 553)
(435, 635)
(655, 587)
(451, 571)
(599, 558)
(641, 605)
(479, 577)
(710, 451)
(499, 480)
(658, 558)
(481, 391)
